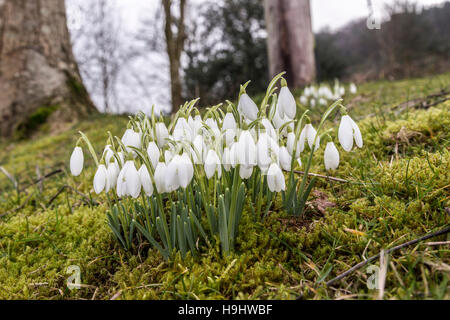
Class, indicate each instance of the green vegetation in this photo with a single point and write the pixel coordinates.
(398, 190)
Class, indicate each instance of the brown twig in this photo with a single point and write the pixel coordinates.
(322, 176)
(48, 175)
(363, 263)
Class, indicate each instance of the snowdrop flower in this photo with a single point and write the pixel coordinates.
(226, 159)
(248, 107)
(128, 182)
(108, 153)
(168, 156)
(182, 130)
(353, 88)
(229, 122)
(212, 164)
(100, 179)
(266, 147)
(309, 133)
(322, 101)
(160, 177)
(246, 149)
(185, 170)
(285, 159)
(270, 130)
(161, 134)
(131, 138)
(331, 156)
(287, 101)
(349, 130)
(275, 179)
(199, 151)
(146, 181)
(304, 100)
(229, 134)
(153, 153)
(307, 92)
(245, 172)
(210, 122)
(290, 144)
(76, 161)
(111, 175)
(312, 103)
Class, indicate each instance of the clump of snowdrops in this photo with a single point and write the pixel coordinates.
(321, 96)
(184, 186)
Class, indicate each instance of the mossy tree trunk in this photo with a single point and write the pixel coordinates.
(37, 66)
(290, 40)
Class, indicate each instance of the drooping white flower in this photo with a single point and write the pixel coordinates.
(245, 172)
(248, 107)
(331, 156)
(229, 134)
(100, 179)
(130, 139)
(111, 175)
(212, 164)
(246, 149)
(153, 153)
(229, 122)
(349, 130)
(161, 134)
(353, 88)
(290, 144)
(226, 159)
(182, 131)
(286, 102)
(108, 153)
(132, 180)
(269, 129)
(304, 100)
(275, 179)
(309, 133)
(160, 177)
(285, 159)
(76, 161)
(198, 154)
(146, 181)
(172, 180)
(267, 151)
(185, 170)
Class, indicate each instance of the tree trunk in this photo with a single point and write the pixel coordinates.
(37, 67)
(175, 46)
(290, 40)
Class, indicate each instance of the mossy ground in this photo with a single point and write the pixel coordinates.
(398, 191)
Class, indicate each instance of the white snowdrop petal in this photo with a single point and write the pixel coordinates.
(287, 102)
(100, 179)
(76, 161)
(331, 156)
(345, 133)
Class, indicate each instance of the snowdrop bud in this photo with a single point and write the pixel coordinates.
(76, 161)
(312, 103)
(229, 136)
(270, 130)
(285, 159)
(248, 107)
(172, 181)
(153, 153)
(353, 88)
(229, 122)
(161, 134)
(275, 179)
(121, 180)
(349, 130)
(100, 179)
(185, 171)
(146, 181)
(331, 156)
(287, 102)
(160, 177)
(132, 180)
(212, 164)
